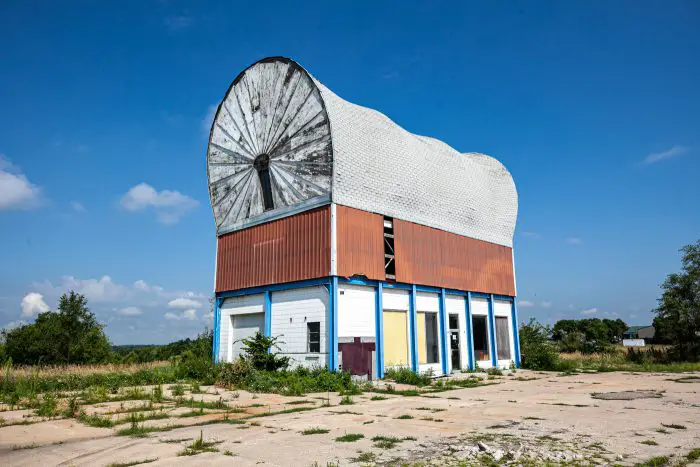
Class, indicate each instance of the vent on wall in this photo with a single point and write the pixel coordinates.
(389, 260)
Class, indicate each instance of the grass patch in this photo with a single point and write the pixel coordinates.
(281, 412)
(299, 402)
(662, 431)
(315, 431)
(192, 413)
(404, 417)
(693, 455)
(95, 420)
(405, 375)
(656, 461)
(364, 457)
(177, 389)
(199, 446)
(674, 426)
(649, 442)
(129, 464)
(378, 398)
(201, 404)
(346, 400)
(349, 437)
(388, 442)
(533, 418)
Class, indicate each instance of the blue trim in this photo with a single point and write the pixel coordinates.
(492, 331)
(461, 293)
(267, 308)
(470, 333)
(443, 332)
(274, 287)
(358, 281)
(217, 327)
(507, 298)
(333, 325)
(413, 318)
(379, 339)
(516, 333)
(396, 285)
(480, 295)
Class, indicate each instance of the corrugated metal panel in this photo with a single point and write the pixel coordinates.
(360, 237)
(286, 250)
(433, 257)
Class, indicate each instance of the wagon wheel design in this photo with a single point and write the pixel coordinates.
(270, 144)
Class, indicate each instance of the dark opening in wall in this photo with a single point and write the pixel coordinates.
(262, 165)
(389, 259)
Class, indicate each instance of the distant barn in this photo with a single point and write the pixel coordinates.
(364, 246)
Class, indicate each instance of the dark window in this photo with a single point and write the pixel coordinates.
(481, 338)
(454, 322)
(314, 337)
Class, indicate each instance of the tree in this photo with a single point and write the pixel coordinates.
(69, 335)
(537, 350)
(678, 312)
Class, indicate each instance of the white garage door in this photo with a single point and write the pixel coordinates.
(248, 305)
(242, 327)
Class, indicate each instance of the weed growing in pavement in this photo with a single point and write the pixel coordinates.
(346, 400)
(95, 420)
(349, 437)
(315, 431)
(130, 464)
(673, 426)
(199, 446)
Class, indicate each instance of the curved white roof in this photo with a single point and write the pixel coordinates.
(282, 142)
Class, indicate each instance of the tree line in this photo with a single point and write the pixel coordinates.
(72, 335)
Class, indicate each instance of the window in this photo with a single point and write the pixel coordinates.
(481, 338)
(313, 331)
(428, 340)
(502, 338)
(389, 260)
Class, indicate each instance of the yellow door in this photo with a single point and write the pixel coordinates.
(395, 338)
(422, 348)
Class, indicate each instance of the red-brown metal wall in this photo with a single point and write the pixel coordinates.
(360, 243)
(285, 250)
(433, 257)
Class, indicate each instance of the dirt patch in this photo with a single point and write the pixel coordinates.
(626, 395)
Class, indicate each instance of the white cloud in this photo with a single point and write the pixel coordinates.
(525, 304)
(190, 314)
(655, 157)
(171, 316)
(546, 304)
(184, 303)
(142, 285)
(574, 241)
(16, 192)
(103, 289)
(208, 119)
(32, 304)
(14, 324)
(77, 206)
(169, 205)
(590, 311)
(130, 311)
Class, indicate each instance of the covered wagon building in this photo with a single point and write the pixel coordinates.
(364, 246)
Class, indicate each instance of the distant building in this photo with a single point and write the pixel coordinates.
(362, 245)
(640, 332)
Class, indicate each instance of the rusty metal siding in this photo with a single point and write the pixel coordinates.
(437, 258)
(360, 243)
(285, 250)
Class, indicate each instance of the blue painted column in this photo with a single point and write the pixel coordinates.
(470, 334)
(379, 322)
(492, 331)
(443, 333)
(267, 308)
(413, 318)
(516, 332)
(217, 329)
(333, 325)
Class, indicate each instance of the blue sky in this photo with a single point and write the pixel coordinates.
(594, 107)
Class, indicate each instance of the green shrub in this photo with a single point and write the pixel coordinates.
(538, 352)
(259, 351)
(404, 375)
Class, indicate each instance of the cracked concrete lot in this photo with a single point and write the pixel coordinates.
(526, 417)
